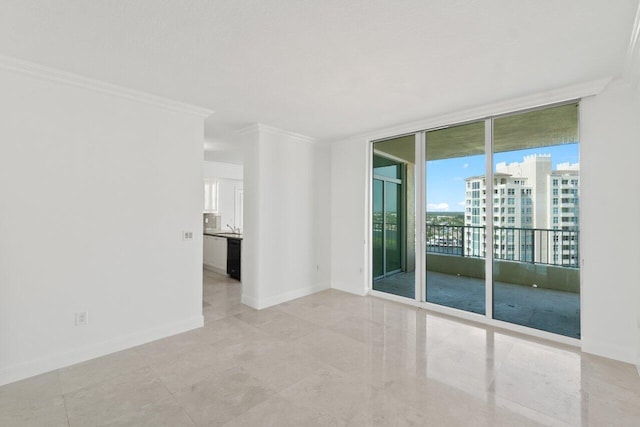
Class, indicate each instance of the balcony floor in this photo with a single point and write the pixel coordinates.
(544, 309)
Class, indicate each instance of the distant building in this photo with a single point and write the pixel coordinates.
(564, 213)
(535, 212)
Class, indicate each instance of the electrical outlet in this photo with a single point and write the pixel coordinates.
(187, 235)
(82, 318)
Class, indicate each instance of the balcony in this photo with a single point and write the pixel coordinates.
(536, 282)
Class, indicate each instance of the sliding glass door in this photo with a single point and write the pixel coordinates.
(536, 170)
(387, 227)
(499, 231)
(393, 216)
(455, 210)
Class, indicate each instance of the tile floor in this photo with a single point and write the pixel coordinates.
(545, 309)
(330, 359)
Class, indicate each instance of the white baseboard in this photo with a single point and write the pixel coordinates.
(348, 287)
(214, 269)
(610, 351)
(250, 301)
(60, 360)
(260, 303)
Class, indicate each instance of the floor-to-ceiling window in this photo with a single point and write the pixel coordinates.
(455, 211)
(393, 216)
(536, 182)
(499, 232)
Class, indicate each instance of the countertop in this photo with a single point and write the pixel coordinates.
(227, 235)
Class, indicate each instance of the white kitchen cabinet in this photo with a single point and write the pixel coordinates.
(208, 250)
(220, 253)
(215, 253)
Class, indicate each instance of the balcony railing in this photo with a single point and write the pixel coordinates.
(531, 245)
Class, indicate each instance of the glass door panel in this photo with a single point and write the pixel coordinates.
(536, 272)
(455, 217)
(378, 226)
(393, 227)
(393, 216)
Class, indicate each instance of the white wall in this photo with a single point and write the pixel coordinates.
(96, 187)
(349, 211)
(222, 170)
(322, 215)
(287, 217)
(637, 89)
(610, 151)
(229, 177)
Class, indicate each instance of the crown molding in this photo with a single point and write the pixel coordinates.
(252, 128)
(281, 132)
(631, 71)
(262, 128)
(555, 96)
(59, 76)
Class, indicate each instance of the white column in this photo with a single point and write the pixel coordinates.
(286, 224)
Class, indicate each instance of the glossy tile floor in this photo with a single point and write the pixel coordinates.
(330, 359)
(545, 309)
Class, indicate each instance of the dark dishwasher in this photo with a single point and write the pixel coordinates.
(233, 257)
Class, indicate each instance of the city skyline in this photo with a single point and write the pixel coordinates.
(535, 212)
(446, 178)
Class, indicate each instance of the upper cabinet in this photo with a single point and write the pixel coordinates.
(238, 212)
(210, 196)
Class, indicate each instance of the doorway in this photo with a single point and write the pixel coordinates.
(387, 227)
(393, 216)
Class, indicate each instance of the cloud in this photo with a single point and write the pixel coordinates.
(438, 206)
(462, 203)
(458, 178)
(466, 165)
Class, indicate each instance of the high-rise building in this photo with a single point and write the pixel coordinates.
(535, 212)
(564, 213)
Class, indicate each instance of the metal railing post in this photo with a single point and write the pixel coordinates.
(463, 239)
(533, 246)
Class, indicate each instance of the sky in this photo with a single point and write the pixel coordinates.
(445, 178)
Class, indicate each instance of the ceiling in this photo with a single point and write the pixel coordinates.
(326, 69)
(531, 129)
